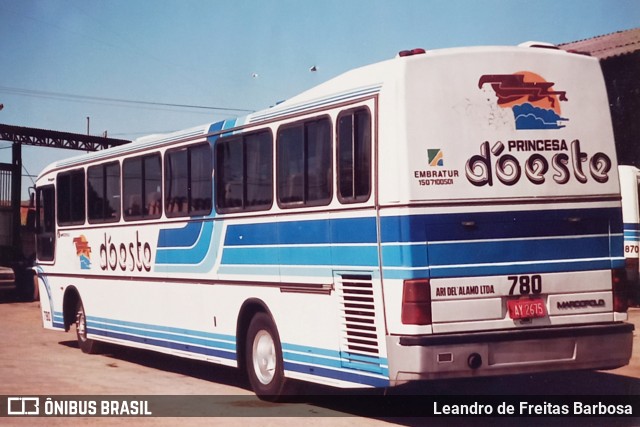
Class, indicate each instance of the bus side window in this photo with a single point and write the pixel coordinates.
(103, 193)
(188, 187)
(244, 172)
(46, 223)
(142, 179)
(70, 197)
(176, 182)
(354, 156)
(304, 171)
(200, 181)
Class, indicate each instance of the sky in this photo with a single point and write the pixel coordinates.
(119, 62)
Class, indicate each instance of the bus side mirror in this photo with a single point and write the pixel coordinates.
(30, 223)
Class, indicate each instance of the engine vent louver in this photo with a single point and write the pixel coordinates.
(359, 346)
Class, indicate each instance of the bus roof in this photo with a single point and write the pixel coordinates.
(356, 83)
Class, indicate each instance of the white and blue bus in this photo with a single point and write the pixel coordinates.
(449, 213)
(630, 190)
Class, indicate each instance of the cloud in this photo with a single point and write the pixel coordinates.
(529, 117)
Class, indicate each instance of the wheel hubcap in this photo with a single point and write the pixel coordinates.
(264, 357)
(81, 325)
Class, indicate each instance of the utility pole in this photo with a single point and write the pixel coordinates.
(16, 192)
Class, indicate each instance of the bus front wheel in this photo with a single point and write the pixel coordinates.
(264, 360)
(87, 345)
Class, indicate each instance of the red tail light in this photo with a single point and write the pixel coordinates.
(620, 290)
(416, 302)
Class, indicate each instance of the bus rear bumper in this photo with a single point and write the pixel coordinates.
(597, 346)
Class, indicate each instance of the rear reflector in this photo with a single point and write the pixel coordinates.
(416, 302)
(620, 290)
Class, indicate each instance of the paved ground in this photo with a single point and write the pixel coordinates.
(42, 362)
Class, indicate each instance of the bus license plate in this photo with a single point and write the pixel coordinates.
(526, 309)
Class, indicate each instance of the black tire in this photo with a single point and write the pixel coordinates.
(87, 345)
(264, 362)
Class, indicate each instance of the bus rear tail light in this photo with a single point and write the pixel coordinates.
(416, 302)
(620, 290)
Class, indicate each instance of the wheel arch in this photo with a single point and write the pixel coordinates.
(248, 310)
(69, 305)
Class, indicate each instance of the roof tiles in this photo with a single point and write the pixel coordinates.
(608, 45)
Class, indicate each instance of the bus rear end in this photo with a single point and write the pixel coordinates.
(500, 223)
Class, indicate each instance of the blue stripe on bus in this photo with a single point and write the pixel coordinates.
(366, 256)
(526, 267)
(361, 365)
(334, 364)
(429, 227)
(314, 355)
(167, 329)
(435, 244)
(500, 225)
(181, 339)
(180, 237)
(216, 126)
(487, 252)
(171, 252)
(402, 255)
(632, 231)
(58, 319)
(444, 259)
(208, 351)
(325, 362)
(348, 376)
(315, 231)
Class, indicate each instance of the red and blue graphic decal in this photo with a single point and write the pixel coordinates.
(534, 102)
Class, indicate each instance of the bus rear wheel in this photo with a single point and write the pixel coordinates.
(264, 362)
(87, 345)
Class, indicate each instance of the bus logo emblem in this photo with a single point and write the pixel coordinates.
(83, 251)
(435, 157)
(534, 103)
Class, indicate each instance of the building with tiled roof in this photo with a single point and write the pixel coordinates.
(608, 45)
(619, 55)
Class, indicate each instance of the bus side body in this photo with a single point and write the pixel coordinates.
(630, 189)
(301, 250)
